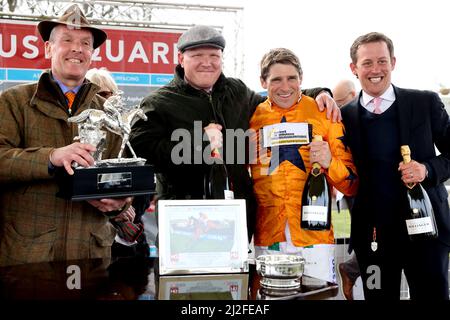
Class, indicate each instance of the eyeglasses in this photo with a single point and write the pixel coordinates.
(105, 94)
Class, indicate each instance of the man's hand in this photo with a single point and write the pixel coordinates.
(127, 215)
(324, 100)
(214, 133)
(110, 204)
(412, 172)
(75, 152)
(319, 151)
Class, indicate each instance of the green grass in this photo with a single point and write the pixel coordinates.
(183, 243)
(341, 223)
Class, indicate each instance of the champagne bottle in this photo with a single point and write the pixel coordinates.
(420, 221)
(217, 180)
(316, 199)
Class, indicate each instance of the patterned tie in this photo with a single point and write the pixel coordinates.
(377, 104)
(70, 97)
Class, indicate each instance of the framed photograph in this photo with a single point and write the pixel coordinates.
(204, 287)
(202, 236)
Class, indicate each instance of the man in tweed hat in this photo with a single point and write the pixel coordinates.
(35, 137)
(199, 97)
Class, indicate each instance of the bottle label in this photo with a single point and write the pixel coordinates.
(286, 133)
(419, 225)
(228, 194)
(315, 213)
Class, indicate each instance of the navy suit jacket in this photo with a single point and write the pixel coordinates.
(423, 122)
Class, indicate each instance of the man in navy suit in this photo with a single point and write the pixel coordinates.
(378, 122)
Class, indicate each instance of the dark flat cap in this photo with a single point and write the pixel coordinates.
(201, 36)
(72, 17)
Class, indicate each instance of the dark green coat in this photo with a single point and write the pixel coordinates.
(34, 224)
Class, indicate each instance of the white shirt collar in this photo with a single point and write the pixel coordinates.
(388, 95)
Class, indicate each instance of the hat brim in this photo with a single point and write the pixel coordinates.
(46, 27)
(215, 43)
(204, 45)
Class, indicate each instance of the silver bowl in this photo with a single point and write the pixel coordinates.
(280, 284)
(283, 266)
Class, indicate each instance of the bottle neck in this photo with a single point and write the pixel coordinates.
(406, 154)
(316, 169)
(406, 159)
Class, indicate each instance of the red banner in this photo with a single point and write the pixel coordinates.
(125, 50)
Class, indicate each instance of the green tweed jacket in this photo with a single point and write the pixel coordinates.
(35, 225)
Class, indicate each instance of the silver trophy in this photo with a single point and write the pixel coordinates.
(116, 118)
(115, 177)
(281, 274)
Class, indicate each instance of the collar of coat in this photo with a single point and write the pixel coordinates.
(49, 95)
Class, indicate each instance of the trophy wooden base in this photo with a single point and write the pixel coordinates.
(105, 182)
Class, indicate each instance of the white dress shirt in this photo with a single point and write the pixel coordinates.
(388, 98)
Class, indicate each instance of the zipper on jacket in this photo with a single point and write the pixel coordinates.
(216, 119)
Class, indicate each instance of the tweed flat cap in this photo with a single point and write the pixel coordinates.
(75, 18)
(201, 36)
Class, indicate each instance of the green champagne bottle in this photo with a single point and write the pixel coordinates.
(217, 182)
(420, 221)
(316, 199)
